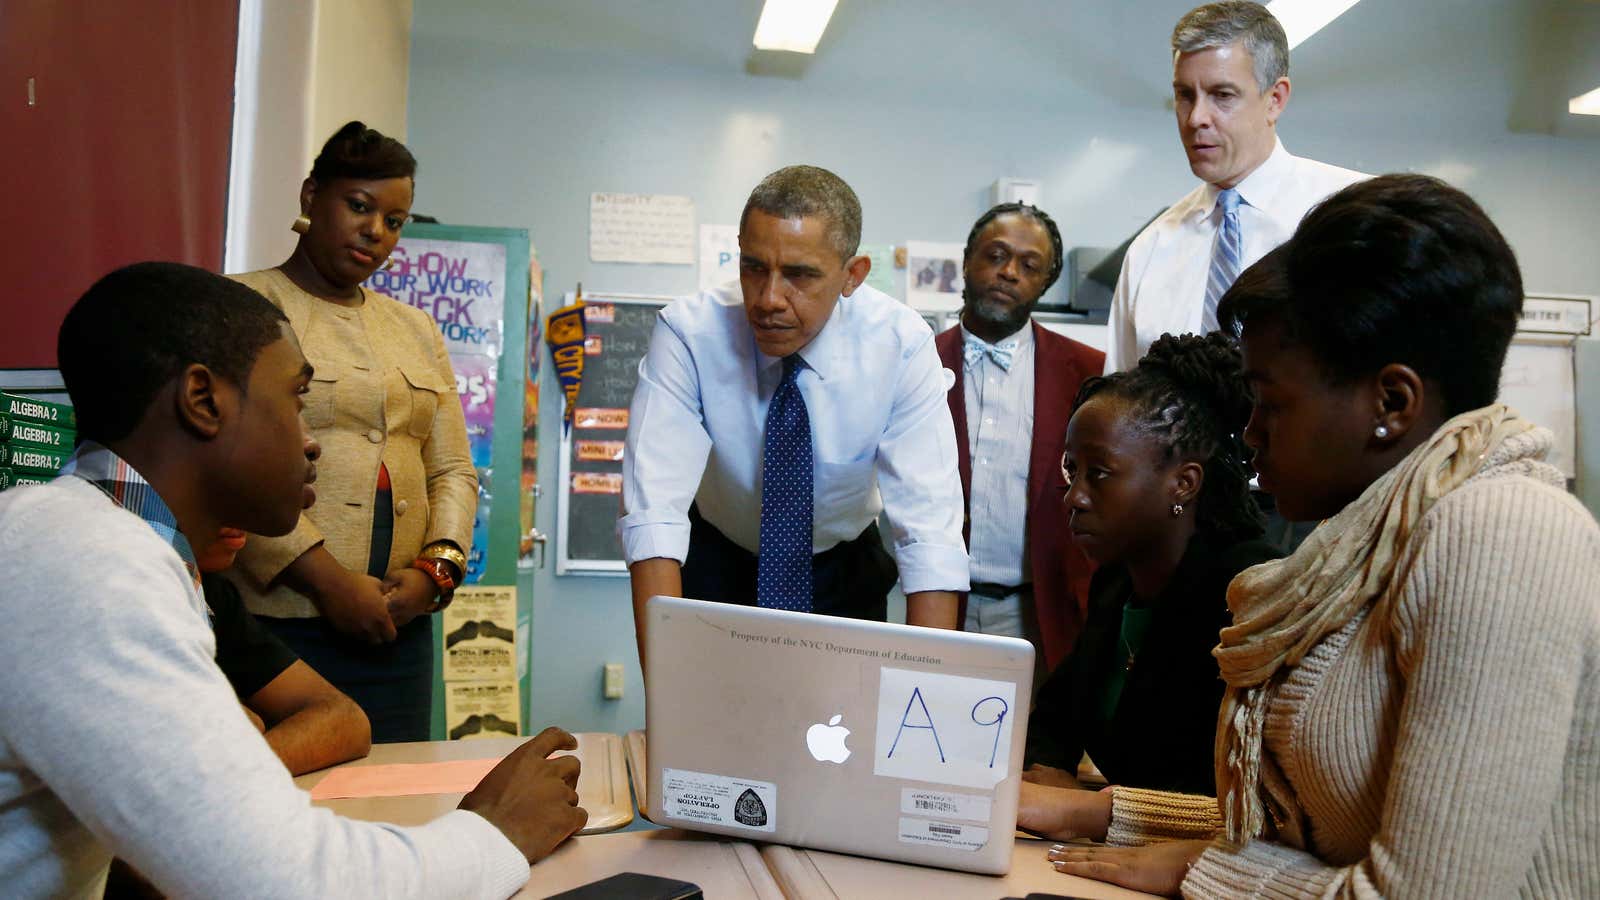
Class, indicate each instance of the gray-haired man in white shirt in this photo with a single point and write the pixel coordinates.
(1230, 83)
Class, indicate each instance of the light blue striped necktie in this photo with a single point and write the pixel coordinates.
(1226, 258)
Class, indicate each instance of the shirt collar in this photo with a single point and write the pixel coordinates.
(821, 355)
(1258, 189)
(119, 481)
(1022, 336)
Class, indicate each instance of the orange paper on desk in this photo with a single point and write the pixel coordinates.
(403, 780)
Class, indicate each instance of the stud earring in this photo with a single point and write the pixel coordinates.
(1177, 510)
(300, 225)
(1381, 432)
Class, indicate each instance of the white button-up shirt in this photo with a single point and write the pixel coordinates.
(999, 408)
(881, 432)
(1162, 287)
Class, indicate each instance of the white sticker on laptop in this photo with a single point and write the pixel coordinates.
(943, 834)
(967, 807)
(947, 729)
(719, 800)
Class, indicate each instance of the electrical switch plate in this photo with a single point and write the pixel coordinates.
(613, 681)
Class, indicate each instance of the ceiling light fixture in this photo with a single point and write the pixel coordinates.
(1585, 104)
(1303, 18)
(793, 25)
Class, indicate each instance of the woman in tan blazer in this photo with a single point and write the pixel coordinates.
(352, 587)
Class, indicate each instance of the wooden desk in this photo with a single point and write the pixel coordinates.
(602, 781)
(806, 874)
(722, 868)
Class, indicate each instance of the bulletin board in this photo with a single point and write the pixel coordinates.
(617, 330)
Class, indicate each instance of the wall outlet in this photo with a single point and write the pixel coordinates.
(612, 681)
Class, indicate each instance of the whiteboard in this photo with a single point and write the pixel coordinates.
(1538, 382)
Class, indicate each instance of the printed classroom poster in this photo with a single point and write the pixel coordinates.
(479, 634)
(461, 284)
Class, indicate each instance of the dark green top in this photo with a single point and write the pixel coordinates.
(1154, 726)
(1135, 622)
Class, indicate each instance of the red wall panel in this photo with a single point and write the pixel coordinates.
(122, 157)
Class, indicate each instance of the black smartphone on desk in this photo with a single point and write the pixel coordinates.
(633, 886)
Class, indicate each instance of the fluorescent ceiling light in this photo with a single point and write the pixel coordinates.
(793, 25)
(1585, 104)
(1303, 18)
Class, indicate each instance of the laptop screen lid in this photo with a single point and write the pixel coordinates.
(876, 739)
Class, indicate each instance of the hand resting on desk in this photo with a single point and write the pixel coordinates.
(1063, 814)
(531, 799)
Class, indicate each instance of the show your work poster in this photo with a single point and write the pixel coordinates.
(461, 284)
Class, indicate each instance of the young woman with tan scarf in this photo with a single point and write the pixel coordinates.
(1413, 703)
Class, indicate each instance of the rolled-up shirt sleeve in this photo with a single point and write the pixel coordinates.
(919, 479)
(666, 451)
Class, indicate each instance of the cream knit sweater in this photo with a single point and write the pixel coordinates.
(1452, 751)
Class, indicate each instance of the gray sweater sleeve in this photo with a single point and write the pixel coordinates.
(113, 703)
(1493, 638)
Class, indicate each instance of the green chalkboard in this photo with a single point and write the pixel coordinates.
(617, 331)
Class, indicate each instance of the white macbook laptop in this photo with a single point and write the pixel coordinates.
(880, 740)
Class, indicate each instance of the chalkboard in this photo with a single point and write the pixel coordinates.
(617, 330)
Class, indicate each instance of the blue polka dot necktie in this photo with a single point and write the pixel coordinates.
(1227, 258)
(783, 577)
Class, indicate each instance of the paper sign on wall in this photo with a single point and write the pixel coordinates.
(943, 728)
(480, 641)
(882, 275)
(481, 709)
(719, 255)
(933, 275)
(641, 228)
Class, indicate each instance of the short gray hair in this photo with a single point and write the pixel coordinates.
(1220, 24)
(802, 191)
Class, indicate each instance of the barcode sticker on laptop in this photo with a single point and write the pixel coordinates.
(943, 834)
(719, 800)
(967, 807)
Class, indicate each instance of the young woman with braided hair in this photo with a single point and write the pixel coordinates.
(1159, 496)
(1413, 696)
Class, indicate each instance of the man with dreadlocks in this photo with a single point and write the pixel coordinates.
(1010, 404)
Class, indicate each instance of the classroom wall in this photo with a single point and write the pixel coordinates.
(516, 115)
(305, 68)
(104, 168)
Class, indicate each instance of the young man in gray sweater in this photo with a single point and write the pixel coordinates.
(118, 733)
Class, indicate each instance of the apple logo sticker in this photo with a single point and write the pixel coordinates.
(826, 742)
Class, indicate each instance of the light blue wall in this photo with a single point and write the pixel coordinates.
(519, 110)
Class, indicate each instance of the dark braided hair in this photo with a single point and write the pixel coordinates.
(1038, 215)
(356, 151)
(1190, 394)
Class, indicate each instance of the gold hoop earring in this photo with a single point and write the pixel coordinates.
(388, 264)
(300, 225)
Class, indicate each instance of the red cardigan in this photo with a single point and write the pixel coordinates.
(1060, 570)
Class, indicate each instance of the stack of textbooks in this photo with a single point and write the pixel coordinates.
(36, 439)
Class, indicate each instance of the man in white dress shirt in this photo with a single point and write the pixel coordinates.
(1230, 83)
(772, 423)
